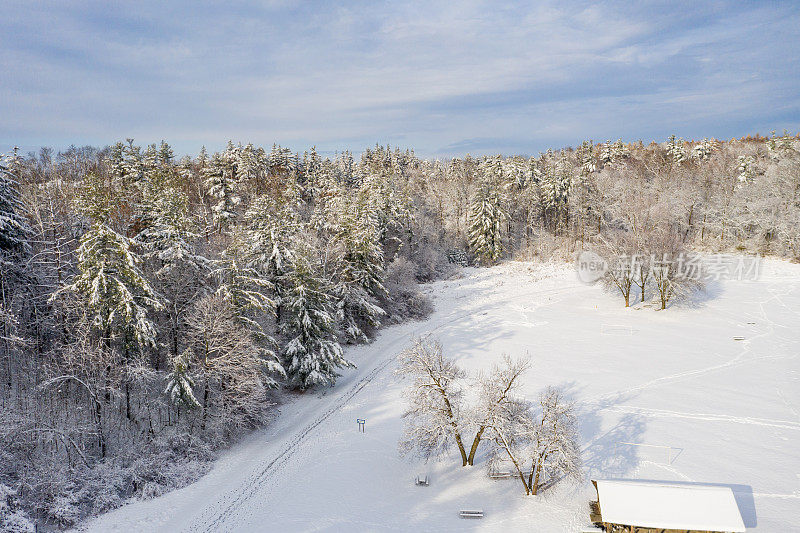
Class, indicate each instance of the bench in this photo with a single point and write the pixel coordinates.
(470, 514)
(506, 474)
(422, 480)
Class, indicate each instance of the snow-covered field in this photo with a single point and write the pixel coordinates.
(729, 409)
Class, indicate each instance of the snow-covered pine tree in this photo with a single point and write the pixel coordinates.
(607, 152)
(270, 229)
(280, 161)
(165, 154)
(251, 167)
(220, 177)
(488, 215)
(311, 167)
(619, 150)
(554, 187)
(113, 286)
(675, 150)
(167, 231)
(185, 168)
(346, 167)
(586, 157)
(746, 170)
(133, 167)
(248, 297)
(180, 382)
(389, 204)
(253, 264)
(312, 354)
(703, 149)
(202, 157)
(14, 228)
(359, 269)
(244, 289)
(178, 271)
(151, 157)
(110, 282)
(116, 161)
(516, 172)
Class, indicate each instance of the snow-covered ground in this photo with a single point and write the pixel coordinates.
(729, 409)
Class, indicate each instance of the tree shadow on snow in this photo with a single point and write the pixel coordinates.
(699, 296)
(605, 452)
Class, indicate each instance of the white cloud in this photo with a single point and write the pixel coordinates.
(428, 73)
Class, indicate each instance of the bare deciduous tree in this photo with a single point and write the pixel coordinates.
(541, 443)
(434, 413)
(496, 394)
(231, 365)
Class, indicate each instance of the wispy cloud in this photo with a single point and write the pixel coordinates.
(442, 78)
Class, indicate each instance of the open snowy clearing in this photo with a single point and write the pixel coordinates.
(661, 395)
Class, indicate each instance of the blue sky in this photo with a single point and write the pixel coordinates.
(443, 78)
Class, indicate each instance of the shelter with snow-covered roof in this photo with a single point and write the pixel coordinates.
(645, 506)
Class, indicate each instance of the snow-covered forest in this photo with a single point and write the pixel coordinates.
(155, 309)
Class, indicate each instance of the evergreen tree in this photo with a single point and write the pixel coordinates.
(151, 158)
(746, 170)
(167, 231)
(180, 382)
(110, 281)
(250, 166)
(607, 153)
(586, 157)
(611, 152)
(202, 157)
(249, 296)
(554, 188)
(389, 205)
(133, 166)
(703, 149)
(244, 290)
(675, 150)
(165, 154)
(312, 354)
(178, 272)
(488, 215)
(220, 179)
(14, 228)
(359, 269)
(271, 227)
(116, 161)
(619, 150)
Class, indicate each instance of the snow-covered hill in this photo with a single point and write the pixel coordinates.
(728, 411)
